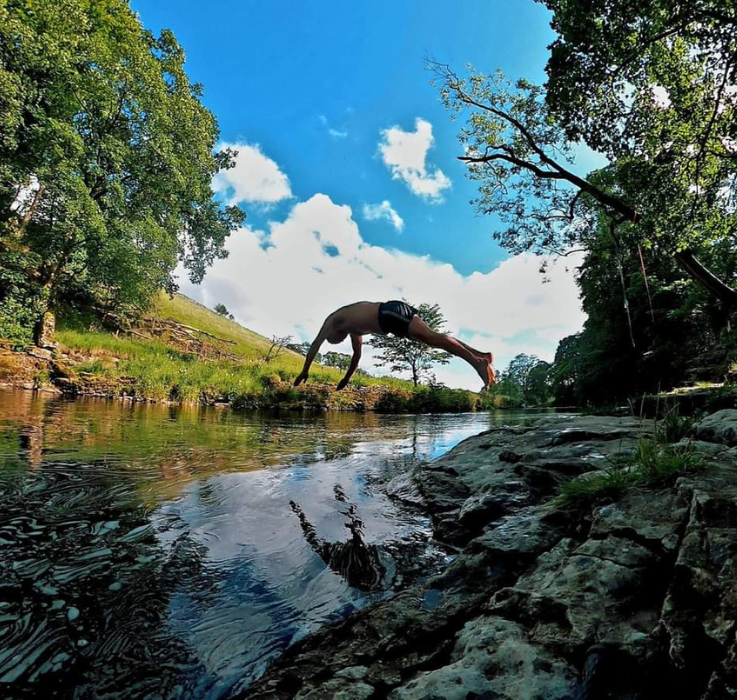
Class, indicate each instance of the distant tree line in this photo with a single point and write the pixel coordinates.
(527, 382)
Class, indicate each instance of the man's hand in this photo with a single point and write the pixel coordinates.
(356, 341)
(301, 377)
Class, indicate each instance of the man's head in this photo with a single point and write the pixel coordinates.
(336, 337)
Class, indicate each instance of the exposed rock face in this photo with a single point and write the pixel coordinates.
(719, 427)
(632, 599)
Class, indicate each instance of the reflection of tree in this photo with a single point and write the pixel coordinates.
(357, 562)
(170, 446)
(31, 439)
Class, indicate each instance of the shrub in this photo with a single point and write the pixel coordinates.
(673, 427)
(653, 463)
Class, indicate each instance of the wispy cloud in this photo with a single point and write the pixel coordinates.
(373, 212)
(256, 178)
(405, 154)
(335, 133)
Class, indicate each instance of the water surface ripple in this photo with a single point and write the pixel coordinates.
(157, 552)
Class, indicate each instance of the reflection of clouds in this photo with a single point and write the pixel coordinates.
(223, 481)
(275, 588)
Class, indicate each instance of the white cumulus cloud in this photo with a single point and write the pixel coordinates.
(287, 279)
(405, 154)
(256, 178)
(373, 212)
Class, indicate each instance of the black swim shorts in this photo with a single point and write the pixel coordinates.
(394, 317)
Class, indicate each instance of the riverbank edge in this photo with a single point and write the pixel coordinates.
(39, 370)
(631, 595)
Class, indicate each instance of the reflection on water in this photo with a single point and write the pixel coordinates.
(149, 551)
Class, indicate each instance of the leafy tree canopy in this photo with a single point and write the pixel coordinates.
(339, 360)
(527, 381)
(653, 87)
(106, 158)
(666, 121)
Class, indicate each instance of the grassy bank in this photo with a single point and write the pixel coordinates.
(215, 361)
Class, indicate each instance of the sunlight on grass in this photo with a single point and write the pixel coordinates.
(154, 369)
(653, 463)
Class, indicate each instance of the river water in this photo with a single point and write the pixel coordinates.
(159, 552)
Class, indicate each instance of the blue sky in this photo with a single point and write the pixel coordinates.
(331, 106)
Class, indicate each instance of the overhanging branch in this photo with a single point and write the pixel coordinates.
(617, 209)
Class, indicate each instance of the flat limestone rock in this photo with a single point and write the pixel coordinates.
(403, 488)
(576, 595)
(493, 658)
(700, 609)
(482, 468)
(338, 689)
(519, 537)
(719, 427)
(645, 515)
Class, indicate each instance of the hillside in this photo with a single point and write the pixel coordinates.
(182, 351)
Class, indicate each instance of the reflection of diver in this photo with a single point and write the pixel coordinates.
(357, 562)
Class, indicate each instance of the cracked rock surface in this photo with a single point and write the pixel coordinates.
(631, 599)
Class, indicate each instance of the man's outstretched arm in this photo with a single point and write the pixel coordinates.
(357, 342)
(312, 352)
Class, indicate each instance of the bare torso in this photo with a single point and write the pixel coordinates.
(360, 318)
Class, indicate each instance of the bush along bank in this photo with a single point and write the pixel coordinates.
(164, 375)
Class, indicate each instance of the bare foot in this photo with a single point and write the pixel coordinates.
(482, 369)
(492, 374)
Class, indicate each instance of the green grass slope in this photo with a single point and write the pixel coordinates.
(156, 368)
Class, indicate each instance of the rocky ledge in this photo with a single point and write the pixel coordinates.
(628, 598)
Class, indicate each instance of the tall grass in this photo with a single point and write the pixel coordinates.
(155, 370)
(652, 464)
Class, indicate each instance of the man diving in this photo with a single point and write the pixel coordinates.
(395, 317)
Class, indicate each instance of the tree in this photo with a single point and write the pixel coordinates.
(339, 360)
(222, 310)
(652, 84)
(106, 160)
(520, 153)
(407, 355)
(604, 49)
(537, 389)
(526, 381)
(643, 333)
(565, 372)
(276, 347)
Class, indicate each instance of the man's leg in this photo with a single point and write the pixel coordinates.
(419, 330)
(485, 355)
